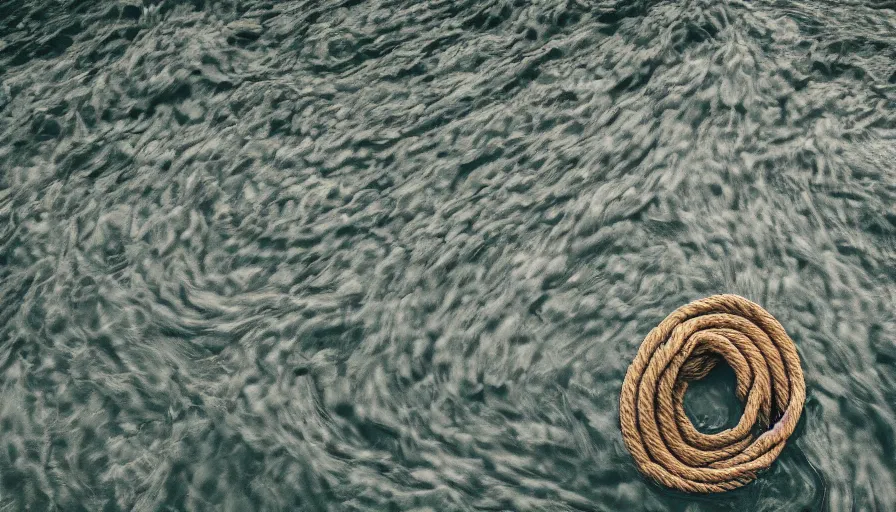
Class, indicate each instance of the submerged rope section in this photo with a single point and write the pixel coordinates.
(685, 347)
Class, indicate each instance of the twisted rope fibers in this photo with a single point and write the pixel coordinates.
(685, 347)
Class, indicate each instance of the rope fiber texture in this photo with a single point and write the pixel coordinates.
(685, 347)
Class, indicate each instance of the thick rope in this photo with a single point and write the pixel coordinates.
(685, 347)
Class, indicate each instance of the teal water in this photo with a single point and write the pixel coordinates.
(396, 256)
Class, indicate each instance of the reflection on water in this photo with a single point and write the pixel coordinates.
(396, 255)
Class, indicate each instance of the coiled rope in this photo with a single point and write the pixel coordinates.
(685, 347)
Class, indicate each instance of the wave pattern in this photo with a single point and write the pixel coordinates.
(396, 255)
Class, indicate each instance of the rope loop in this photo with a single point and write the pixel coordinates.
(685, 347)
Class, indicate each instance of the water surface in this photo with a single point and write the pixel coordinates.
(397, 255)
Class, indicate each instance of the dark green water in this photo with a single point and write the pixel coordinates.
(397, 255)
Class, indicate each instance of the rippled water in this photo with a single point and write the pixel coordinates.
(397, 255)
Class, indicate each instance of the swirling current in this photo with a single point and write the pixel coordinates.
(396, 255)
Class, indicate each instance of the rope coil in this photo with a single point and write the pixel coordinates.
(685, 347)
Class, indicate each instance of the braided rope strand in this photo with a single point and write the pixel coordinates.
(685, 347)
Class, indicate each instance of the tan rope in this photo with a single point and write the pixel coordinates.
(685, 347)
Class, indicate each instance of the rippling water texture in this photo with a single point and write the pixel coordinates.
(396, 255)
